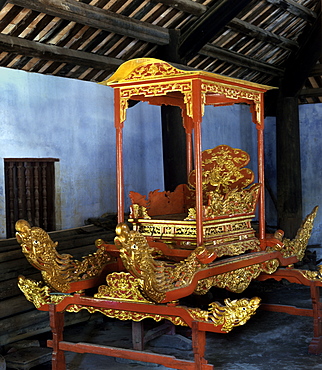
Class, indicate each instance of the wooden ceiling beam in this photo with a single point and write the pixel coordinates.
(258, 33)
(316, 70)
(19, 46)
(103, 19)
(187, 6)
(240, 60)
(308, 93)
(208, 25)
(3, 3)
(235, 24)
(295, 8)
(300, 64)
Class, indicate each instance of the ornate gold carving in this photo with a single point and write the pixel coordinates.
(155, 74)
(224, 230)
(223, 169)
(138, 211)
(312, 275)
(237, 280)
(235, 249)
(121, 286)
(237, 312)
(158, 89)
(234, 313)
(224, 181)
(127, 315)
(234, 202)
(155, 277)
(37, 293)
(297, 246)
(153, 70)
(57, 270)
(233, 92)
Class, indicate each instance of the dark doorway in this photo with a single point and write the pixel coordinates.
(30, 192)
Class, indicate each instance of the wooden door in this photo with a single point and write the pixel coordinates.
(30, 192)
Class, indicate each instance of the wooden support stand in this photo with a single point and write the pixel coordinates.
(57, 328)
(295, 276)
(137, 354)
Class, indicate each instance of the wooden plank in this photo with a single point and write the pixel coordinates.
(9, 288)
(18, 305)
(103, 19)
(32, 323)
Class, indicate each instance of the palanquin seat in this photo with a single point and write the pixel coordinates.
(229, 202)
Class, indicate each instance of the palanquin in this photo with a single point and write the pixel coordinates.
(183, 242)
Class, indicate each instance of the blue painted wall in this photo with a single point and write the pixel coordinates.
(46, 116)
(311, 164)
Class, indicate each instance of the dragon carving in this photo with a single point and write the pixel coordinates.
(57, 270)
(235, 312)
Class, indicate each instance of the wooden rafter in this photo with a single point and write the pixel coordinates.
(311, 92)
(240, 60)
(316, 70)
(103, 19)
(3, 3)
(33, 49)
(208, 25)
(301, 63)
(188, 6)
(295, 8)
(258, 33)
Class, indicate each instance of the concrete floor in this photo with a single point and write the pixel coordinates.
(268, 341)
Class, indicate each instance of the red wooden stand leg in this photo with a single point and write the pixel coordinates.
(57, 327)
(315, 346)
(199, 346)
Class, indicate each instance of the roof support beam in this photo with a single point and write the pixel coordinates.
(258, 33)
(301, 63)
(208, 25)
(240, 60)
(187, 6)
(310, 93)
(316, 70)
(103, 19)
(33, 49)
(3, 3)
